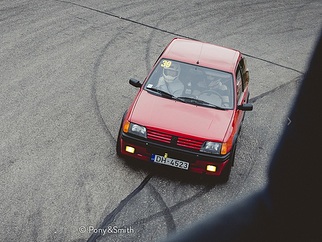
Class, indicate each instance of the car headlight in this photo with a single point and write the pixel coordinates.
(137, 130)
(211, 147)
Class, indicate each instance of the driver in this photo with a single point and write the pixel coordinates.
(212, 82)
(169, 81)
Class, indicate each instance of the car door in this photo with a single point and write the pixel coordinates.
(242, 79)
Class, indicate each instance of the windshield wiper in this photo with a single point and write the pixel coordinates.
(163, 93)
(199, 102)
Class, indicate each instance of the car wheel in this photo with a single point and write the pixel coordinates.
(224, 177)
(118, 141)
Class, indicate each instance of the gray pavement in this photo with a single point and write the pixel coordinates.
(64, 86)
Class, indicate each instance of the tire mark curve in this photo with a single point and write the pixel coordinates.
(110, 217)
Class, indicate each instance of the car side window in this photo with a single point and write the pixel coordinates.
(244, 71)
(239, 83)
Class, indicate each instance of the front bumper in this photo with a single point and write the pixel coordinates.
(198, 161)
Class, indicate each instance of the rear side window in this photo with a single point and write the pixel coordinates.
(239, 83)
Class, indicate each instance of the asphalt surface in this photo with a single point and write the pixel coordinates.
(64, 87)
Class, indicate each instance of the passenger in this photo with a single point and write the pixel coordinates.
(169, 81)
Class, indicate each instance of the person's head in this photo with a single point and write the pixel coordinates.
(172, 72)
(212, 79)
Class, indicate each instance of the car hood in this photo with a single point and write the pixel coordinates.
(154, 111)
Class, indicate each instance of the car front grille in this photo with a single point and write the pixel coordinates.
(159, 136)
(174, 140)
(189, 143)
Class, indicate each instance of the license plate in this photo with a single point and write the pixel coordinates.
(170, 162)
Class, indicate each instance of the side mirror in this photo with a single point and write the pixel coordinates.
(245, 107)
(135, 82)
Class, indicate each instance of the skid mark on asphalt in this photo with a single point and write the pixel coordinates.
(171, 33)
(171, 226)
(110, 217)
(272, 63)
(7, 13)
(99, 115)
(173, 208)
(165, 212)
(254, 99)
(94, 95)
(96, 67)
(259, 147)
(125, 19)
(149, 45)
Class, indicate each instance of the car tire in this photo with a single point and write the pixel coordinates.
(224, 177)
(118, 141)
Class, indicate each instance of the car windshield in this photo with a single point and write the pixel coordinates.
(192, 84)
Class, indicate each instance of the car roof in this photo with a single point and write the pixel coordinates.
(203, 54)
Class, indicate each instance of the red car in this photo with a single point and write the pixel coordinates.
(189, 109)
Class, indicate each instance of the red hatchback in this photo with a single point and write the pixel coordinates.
(189, 110)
